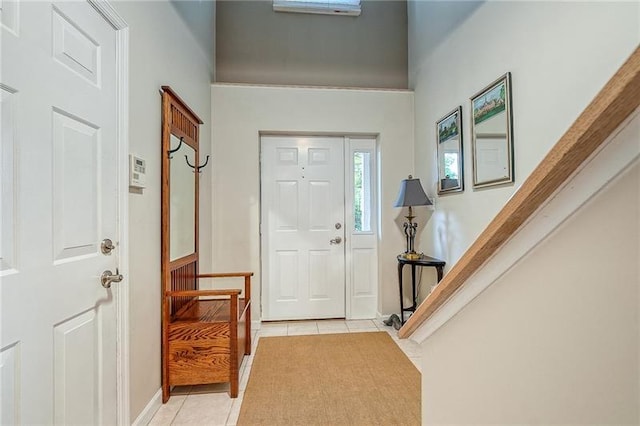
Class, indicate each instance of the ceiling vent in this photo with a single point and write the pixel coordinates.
(321, 7)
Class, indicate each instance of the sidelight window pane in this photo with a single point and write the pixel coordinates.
(362, 203)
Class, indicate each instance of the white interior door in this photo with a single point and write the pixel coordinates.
(59, 201)
(303, 218)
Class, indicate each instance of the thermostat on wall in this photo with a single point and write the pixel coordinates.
(137, 171)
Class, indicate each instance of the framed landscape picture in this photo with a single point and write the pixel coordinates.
(492, 134)
(450, 161)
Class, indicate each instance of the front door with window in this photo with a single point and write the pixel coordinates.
(303, 227)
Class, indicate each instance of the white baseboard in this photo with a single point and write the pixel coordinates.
(256, 324)
(150, 410)
(383, 317)
(362, 317)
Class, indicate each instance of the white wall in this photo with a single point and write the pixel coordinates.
(556, 340)
(241, 112)
(560, 55)
(162, 52)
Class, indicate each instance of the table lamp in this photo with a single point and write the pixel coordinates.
(411, 194)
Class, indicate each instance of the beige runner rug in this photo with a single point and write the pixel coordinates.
(331, 379)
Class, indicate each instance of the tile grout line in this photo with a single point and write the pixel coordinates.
(173, 419)
(304, 333)
(245, 370)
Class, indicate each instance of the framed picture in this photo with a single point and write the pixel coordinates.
(492, 134)
(450, 161)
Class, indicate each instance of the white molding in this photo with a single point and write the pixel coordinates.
(348, 224)
(106, 10)
(149, 410)
(256, 325)
(124, 414)
(109, 13)
(617, 154)
(383, 317)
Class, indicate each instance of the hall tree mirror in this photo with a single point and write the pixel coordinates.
(182, 198)
(450, 161)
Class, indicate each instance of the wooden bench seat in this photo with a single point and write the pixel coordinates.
(207, 338)
(211, 310)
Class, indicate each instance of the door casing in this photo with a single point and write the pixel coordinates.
(106, 9)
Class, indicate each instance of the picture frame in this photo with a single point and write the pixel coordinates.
(450, 154)
(492, 134)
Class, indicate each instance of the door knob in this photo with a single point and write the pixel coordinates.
(107, 278)
(336, 240)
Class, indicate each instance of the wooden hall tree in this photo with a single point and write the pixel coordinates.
(205, 333)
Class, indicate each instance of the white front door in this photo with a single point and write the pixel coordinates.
(303, 218)
(59, 201)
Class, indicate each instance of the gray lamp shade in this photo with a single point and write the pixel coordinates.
(412, 194)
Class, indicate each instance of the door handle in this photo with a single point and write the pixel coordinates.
(336, 240)
(107, 278)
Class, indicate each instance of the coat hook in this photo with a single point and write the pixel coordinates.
(171, 151)
(196, 168)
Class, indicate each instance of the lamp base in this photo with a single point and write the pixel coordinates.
(411, 255)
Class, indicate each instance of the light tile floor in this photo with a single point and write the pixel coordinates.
(211, 405)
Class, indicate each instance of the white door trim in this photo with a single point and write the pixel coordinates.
(108, 12)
